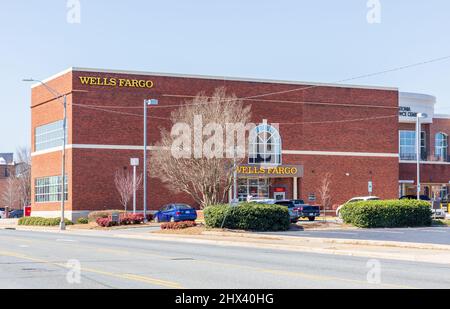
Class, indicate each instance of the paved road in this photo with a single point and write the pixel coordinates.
(39, 260)
(432, 235)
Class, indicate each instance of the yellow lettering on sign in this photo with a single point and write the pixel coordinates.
(114, 82)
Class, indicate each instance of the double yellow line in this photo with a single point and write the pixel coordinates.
(131, 277)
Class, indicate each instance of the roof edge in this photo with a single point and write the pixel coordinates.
(198, 76)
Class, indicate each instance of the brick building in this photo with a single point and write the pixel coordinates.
(352, 132)
(7, 169)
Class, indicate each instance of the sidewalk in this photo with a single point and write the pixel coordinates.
(416, 252)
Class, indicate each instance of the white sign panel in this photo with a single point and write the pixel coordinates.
(410, 104)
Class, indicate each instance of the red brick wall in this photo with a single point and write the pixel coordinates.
(429, 173)
(91, 182)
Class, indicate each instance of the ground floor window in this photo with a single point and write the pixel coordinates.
(256, 187)
(433, 191)
(48, 189)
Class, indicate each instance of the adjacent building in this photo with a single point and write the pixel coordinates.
(363, 136)
(7, 170)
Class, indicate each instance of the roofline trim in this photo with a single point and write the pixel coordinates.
(256, 80)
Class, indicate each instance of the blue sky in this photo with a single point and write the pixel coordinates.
(320, 40)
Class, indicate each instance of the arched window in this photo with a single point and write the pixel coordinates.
(264, 145)
(441, 146)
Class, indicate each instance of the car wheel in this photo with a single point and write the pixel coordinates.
(312, 218)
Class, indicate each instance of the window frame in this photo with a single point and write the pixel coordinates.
(255, 156)
(55, 128)
(423, 146)
(439, 149)
(44, 192)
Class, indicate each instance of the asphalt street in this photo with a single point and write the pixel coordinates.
(431, 235)
(60, 260)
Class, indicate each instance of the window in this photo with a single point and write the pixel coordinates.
(48, 189)
(49, 135)
(441, 146)
(265, 145)
(257, 188)
(408, 145)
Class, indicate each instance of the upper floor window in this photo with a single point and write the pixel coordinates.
(264, 145)
(49, 135)
(408, 145)
(441, 146)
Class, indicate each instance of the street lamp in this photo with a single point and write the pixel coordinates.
(418, 148)
(62, 224)
(147, 103)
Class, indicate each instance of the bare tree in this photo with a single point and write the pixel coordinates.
(324, 192)
(123, 180)
(23, 174)
(206, 178)
(10, 196)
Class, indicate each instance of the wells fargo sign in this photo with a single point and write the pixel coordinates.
(280, 171)
(116, 82)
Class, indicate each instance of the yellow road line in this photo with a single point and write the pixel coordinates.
(264, 270)
(131, 277)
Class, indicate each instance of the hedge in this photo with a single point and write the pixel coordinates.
(248, 216)
(391, 213)
(37, 221)
(82, 221)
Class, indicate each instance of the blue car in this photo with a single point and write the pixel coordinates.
(176, 213)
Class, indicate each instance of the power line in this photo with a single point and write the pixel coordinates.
(337, 121)
(253, 98)
(342, 80)
(358, 77)
(263, 100)
(279, 123)
(117, 112)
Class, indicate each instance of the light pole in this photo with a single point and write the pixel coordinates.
(134, 163)
(147, 103)
(418, 147)
(62, 224)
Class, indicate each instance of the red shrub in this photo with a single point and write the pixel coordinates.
(178, 225)
(124, 219)
(105, 222)
(128, 219)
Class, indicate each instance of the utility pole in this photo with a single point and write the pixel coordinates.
(62, 224)
(418, 148)
(146, 104)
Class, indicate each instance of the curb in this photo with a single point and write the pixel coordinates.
(342, 252)
(377, 243)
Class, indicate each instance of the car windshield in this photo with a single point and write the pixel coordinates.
(299, 202)
(182, 206)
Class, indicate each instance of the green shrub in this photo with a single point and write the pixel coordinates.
(93, 216)
(248, 216)
(82, 220)
(38, 221)
(392, 213)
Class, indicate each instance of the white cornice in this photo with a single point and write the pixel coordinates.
(95, 70)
